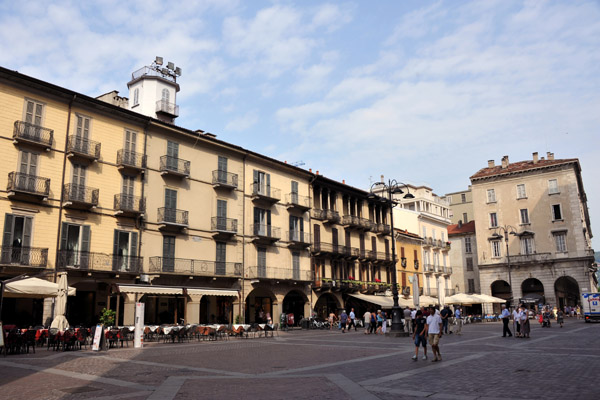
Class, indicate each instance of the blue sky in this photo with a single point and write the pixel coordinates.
(421, 91)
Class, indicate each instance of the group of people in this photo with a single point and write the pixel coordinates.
(346, 321)
(447, 316)
(375, 322)
(430, 329)
(520, 317)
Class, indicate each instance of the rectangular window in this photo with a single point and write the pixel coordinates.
(125, 251)
(493, 220)
(296, 265)
(521, 194)
(296, 229)
(524, 216)
(34, 112)
(168, 254)
(463, 198)
(561, 242)
(471, 283)
(75, 245)
(491, 196)
(553, 186)
(424, 232)
(221, 258)
(261, 255)
(465, 218)
(527, 245)
(469, 264)
(468, 248)
(496, 249)
(262, 222)
(16, 241)
(556, 212)
(172, 156)
(261, 183)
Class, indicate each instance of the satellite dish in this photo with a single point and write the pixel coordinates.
(170, 65)
(159, 60)
(178, 71)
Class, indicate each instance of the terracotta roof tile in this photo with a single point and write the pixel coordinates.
(469, 227)
(520, 166)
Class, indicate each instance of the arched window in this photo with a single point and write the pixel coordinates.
(136, 97)
(165, 95)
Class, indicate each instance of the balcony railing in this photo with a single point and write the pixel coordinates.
(294, 200)
(91, 261)
(447, 270)
(174, 166)
(224, 179)
(351, 221)
(171, 109)
(450, 292)
(172, 217)
(130, 159)
(290, 274)
(318, 214)
(33, 134)
(428, 268)
(24, 256)
(431, 292)
(129, 204)
(298, 238)
(351, 252)
(328, 248)
(265, 232)
(365, 224)
(28, 184)
(225, 225)
(266, 192)
(530, 258)
(382, 229)
(186, 266)
(331, 216)
(83, 148)
(80, 196)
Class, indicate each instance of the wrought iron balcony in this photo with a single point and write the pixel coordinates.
(450, 292)
(225, 226)
(129, 205)
(224, 179)
(530, 258)
(328, 248)
(130, 264)
(130, 160)
(365, 224)
(27, 185)
(264, 233)
(34, 257)
(33, 134)
(83, 148)
(431, 292)
(187, 266)
(382, 229)
(351, 221)
(428, 268)
(298, 239)
(447, 270)
(100, 262)
(169, 109)
(170, 218)
(174, 166)
(80, 196)
(265, 193)
(286, 274)
(298, 202)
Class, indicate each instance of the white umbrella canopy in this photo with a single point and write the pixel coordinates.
(462, 298)
(415, 283)
(486, 298)
(427, 300)
(60, 304)
(33, 288)
(441, 292)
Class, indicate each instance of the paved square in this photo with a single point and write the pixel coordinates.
(554, 364)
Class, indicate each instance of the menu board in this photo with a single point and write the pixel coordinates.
(97, 337)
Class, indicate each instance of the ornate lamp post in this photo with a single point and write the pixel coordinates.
(392, 187)
(506, 230)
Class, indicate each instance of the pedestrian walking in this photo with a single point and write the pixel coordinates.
(384, 322)
(445, 314)
(331, 320)
(525, 327)
(367, 319)
(343, 320)
(517, 322)
(505, 315)
(434, 333)
(407, 321)
(420, 335)
(560, 318)
(379, 322)
(373, 323)
(413, 316)
(458, 320)
(351, 320)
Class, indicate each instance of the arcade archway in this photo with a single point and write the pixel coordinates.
(567, 293)
(501, 289)
(259, 303)
(293, 303)
(326, 303)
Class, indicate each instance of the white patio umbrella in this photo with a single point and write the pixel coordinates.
(60, 304)
(441, 292)
(486, 298)
(415, 283)
(462, 298)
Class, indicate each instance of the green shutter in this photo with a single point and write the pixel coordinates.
(85, 246)
(8, 228)
(115, 257)
(27, 232)
(63, 236)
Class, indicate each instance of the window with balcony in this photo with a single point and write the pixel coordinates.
(261, 261)
(125, 251)
(524, 216)
(262, 183)
(74, 245)
(560, 239)
(491, 196)
(34, 112)
(262, 222)
(469, 263)
(493, 220)
(553, 186)
(16, 243)
(557, 212)
(468, 248)
(471, 283)
(168, 253)
(296, 229)
(221, 258)
(496, 249)
(521, 193)
(527, 245)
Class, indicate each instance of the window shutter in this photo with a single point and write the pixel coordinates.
(268, 188)
(295, 187)
(317, 229)
(374, 244)
(63, 236)
(27, 231)
(133, 244)
(85, 238)
(8, 230)
(334, 237)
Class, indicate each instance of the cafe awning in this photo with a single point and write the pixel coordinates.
(211, 292)
(383, 301)
(149, 289)
(35, 288)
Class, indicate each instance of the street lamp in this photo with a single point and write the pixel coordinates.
(506, 230)
(392, 187)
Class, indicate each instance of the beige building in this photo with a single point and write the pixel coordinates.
(533, 230)
(461, 206)
(463, 258)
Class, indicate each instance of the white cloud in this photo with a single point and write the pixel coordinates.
(242, 123)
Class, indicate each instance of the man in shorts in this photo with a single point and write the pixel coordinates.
(420, 335)
(434, 332)
(367, 319)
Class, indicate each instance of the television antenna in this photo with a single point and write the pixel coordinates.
(297, 163)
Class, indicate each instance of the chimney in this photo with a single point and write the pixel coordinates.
(550, 156)
(310, 170)
(317, 172)
(504, 162)
(382, 181)
(459, 223)
(344, 181)
(491, 164)
(535, 158)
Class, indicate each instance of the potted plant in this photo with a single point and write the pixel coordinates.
(107, 317)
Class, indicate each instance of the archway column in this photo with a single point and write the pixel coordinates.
(192, 309)
(129, 308)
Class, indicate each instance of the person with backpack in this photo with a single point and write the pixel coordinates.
(445, 314)
(343, 320)
(420, 335)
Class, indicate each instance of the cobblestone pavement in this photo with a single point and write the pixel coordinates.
(479, 364)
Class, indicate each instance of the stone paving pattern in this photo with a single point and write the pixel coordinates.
(554, 364)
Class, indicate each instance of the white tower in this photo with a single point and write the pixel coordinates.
(153, 91)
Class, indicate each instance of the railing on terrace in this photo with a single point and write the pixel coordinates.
(32, 133)
(91, 261)
(35, 185)
(528, 258)
(298, 236)
(297, 200)
(186, 266)
(131, 159)
(83, 147)
(267, 231)
(129, 203)
(223, 224)
(163, 106)
(266, 191)
(258, 271)
(172, 216)
(174, 165)
(73, 193)
(224, 178)
(24, 256)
